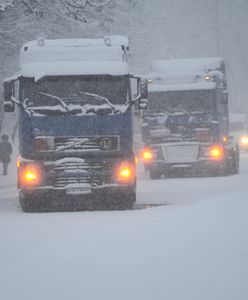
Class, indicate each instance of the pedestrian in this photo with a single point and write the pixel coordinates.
(5, 152)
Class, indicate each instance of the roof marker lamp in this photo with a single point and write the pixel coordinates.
(107, 41)
(207, 77)
(40, 41)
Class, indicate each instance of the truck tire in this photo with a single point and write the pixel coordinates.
(215, 172)
(235, 163)
(232, 166)
(28, 204)
(155, 174)
(126, 201)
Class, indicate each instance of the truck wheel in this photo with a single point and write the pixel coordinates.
(232, 167)
(28, 204)
(124, 201)
(215, 172)
(155, 174)
(235, 164)
(117, 201)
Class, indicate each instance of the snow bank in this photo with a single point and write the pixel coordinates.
(194, 251)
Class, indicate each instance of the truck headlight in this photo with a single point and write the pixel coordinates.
(216, 152)
(125, 172)
(44, 143)
(148, 154)
(29, 175)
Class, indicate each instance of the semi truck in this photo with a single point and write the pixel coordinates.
(74, 102)
(186, 126)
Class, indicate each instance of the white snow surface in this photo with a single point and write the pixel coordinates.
(195, 247)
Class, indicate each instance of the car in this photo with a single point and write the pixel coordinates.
(238, 126)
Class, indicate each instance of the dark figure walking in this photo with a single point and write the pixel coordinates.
(5, 153)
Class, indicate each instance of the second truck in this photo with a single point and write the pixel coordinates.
(186, 126)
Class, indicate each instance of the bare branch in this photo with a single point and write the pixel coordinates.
(96, 3)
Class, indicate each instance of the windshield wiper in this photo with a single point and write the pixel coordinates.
(102, 98)
(63, 104)
(179, 109)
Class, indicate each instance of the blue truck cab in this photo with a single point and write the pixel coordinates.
(74, 103)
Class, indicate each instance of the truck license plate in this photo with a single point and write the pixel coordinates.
(78, 191)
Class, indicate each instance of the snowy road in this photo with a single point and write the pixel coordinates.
(194, 248)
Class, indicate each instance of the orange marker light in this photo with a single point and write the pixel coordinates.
(147, 155)
(216, 152)
(225, 139)
(30, 176)
(18, 163)
(126, 172)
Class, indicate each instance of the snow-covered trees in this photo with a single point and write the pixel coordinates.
(24, 20)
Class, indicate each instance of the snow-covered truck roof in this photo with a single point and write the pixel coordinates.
(74, 57)
(181, 87)
(159, 82)
(40, 70)
(186, 74)
(194, 65)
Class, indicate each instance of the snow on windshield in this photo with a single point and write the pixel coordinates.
(81, 95)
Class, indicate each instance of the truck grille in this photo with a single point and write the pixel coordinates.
(76, 172)
(180, 153)
(103, 143)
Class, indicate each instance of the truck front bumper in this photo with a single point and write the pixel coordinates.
(200, 166)
(55, 199)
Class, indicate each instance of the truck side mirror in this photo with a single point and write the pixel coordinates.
(143, 103)
(8, 90)
(141, 93)
(9, 106)
(8, 87)
(143, 88)
(225, 97)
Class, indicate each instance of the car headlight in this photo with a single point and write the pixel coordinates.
(244, 140)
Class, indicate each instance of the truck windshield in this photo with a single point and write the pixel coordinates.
(194, 101)
(77, 94)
